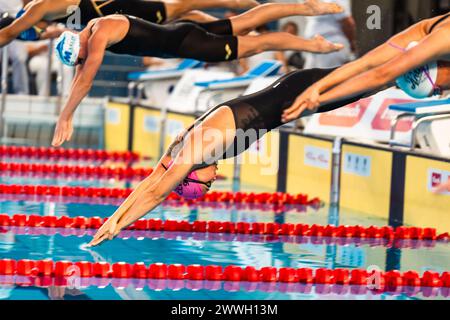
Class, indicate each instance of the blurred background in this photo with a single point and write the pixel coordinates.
(30, 60)
(374, 162)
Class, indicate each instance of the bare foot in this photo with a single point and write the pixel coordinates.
(322, 45)
(321, 8)
(244, 4)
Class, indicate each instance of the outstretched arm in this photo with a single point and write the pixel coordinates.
(149, 194)
(81, 85)
(34, 14)
(429, 49)
(371, 60)
(152, 193)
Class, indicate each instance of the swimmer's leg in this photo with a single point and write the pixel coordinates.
(175, 9)
(248, 21)
(198, 16)
(283, 41)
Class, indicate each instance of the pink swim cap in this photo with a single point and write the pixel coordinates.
(188, 189)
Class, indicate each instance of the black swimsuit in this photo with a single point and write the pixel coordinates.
(438, 22)
(261, 112)
(152, 11)
(209, 42)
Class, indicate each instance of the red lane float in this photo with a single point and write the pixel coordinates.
(76, 171)
(67, 154)
(215, 285)
(242, 228)
(387, 280)
(225, 237)
(275, 199)
(275, 208)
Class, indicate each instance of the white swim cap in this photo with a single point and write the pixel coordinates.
(68, 48)
(421, 82)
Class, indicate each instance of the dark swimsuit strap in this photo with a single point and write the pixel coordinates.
(438, 22)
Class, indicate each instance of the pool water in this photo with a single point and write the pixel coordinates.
(186, 248)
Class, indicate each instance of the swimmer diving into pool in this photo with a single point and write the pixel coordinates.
(212, 42)
(226, 131)
(189, 166)
(423, 48)
(32, 21)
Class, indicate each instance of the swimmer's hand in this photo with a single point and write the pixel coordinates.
(63, 131)
(309, 99)
(108, 231)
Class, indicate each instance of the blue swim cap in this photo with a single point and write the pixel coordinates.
(31, 34)
(68, 48)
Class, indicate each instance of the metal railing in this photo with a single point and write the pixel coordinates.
(48, 77)
(418, 120)
(336, 158)
(4, 86)
(135, 97)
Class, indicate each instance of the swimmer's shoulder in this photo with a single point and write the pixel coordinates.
(112, 21)
(113, 27)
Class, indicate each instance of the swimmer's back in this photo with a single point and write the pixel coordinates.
(143, 39)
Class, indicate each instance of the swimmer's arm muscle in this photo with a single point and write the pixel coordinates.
(34, 14)
(85, 74)
(143, 186)
(131, 209)
(154, 195)
(81, 85)
(429, 49)
(370, 60)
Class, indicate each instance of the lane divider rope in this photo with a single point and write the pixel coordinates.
(123, 270)
(276, 209)
(76, 171)
(226, 237)
(230, 286)
(80, 172)
(256, 228)
(67, 154)
(276, 199)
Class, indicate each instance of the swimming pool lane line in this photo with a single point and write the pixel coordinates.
(49, 153)
(300, 209)
(278, 202)
(230, 286)
(223, 237)
(65, 171)
(261, 228)
(321, 276)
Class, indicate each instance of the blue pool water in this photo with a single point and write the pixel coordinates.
(184, 248)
